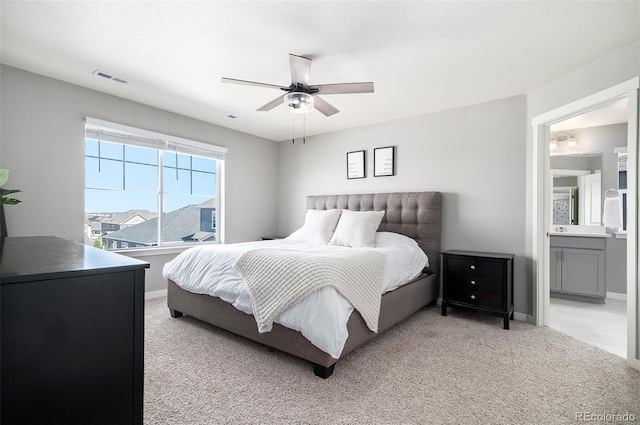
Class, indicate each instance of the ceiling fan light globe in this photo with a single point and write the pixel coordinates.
(299, 102)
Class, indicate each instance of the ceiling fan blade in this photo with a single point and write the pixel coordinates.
(275, 102)
(300, 69)
(343, 88)
(252, 83)
(323, 106)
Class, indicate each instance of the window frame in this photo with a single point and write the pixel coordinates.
(137, 137)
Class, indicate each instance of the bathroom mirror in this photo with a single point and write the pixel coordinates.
(577, 189)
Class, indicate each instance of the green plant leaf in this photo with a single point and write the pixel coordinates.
(4, 176)
(4, 192)
(9, 201)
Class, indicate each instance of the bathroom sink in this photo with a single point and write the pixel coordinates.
(581, 231)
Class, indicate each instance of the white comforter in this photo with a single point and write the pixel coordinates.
(322, 315)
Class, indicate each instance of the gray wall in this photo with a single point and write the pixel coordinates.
(42, 144)
(475, 155)
(616, 265)
(603, 139)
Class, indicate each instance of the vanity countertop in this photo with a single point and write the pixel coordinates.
(582, 235)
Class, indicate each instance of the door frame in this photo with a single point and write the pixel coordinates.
(541, 212)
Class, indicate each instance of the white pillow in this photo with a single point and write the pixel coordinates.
(294, 236)
(394, 240)
(357, 228)
(412, 253)
(318, 226)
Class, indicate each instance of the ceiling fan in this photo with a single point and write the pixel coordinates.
(302, 97)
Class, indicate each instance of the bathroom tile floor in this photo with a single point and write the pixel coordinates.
(602, 325)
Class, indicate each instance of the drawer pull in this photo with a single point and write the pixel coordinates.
(473, 282)
(473, 297)
(473, 267)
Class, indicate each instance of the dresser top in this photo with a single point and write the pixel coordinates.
(479, 254)
(24, 259)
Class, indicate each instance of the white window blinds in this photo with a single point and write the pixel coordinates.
(118, 133)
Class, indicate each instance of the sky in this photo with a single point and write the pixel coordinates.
(193, 181)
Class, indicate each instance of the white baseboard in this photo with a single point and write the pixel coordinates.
(155, 294)
(617, 296)
(523, 317)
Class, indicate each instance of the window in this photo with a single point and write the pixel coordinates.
(145, 189)
(622, 183)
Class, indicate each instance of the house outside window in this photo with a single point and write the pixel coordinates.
(145, 189)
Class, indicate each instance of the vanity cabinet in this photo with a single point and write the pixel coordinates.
(577, 268)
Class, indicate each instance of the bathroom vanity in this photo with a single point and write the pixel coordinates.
(577, 266)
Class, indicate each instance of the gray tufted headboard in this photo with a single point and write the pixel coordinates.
(417, 215)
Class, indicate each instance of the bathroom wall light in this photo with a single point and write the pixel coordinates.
(562, 138)
(563, 143)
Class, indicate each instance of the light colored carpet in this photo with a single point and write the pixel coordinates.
(459, 369)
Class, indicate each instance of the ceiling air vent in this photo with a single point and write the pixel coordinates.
(109, 76)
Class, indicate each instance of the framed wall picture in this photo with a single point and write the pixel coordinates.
(355, 165)
(384, 161)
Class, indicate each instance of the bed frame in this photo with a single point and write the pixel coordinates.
(414, 214)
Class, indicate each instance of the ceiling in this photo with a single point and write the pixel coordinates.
(423, 56)
(616, 112)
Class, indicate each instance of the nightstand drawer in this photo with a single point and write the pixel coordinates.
(476, 298)
(478, 283)
(474, 266)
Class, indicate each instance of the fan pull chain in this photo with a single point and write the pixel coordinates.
(304, 129)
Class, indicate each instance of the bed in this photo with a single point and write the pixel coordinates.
(416, 215)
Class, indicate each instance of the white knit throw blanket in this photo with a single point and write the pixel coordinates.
(278, 278)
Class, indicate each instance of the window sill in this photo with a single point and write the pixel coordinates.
(152, 252)
(621, 235)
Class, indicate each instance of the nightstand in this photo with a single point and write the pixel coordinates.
(480, 281)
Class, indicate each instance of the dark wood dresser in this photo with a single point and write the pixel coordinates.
(478, 280)
(71, 333)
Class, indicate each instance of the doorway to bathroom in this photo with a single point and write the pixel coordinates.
(547, 129)
(588, 279)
